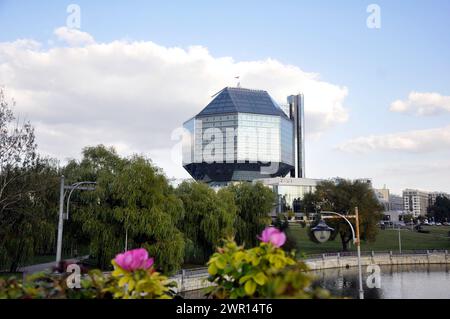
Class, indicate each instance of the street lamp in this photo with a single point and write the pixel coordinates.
(322, 233)
(62, 195)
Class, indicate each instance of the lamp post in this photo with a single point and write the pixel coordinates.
(62, 195)
(322, 233)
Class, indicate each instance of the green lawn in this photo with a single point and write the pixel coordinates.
(386, 240)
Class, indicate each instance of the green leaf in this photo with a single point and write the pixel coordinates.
(212, 269)
(123, 281)
(244, 279)
(250, 287)
(260, 279)
(221, 262)
(131, 285)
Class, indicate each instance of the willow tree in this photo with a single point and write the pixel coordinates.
(254, 202)
(132, 200)
(342, 196)
(26, 192)
(208, 218)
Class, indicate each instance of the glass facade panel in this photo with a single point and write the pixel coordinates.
(292, 192)
(214, 138)
(258, 138)
(287, 141)
(188, 142)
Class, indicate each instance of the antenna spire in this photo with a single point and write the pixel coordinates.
(239, 82)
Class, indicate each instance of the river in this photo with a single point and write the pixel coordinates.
(396, 282)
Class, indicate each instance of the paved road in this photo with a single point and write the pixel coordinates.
(46, 266)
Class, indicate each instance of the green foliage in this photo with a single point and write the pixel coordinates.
(281, 222)
(53, 286)
(260, 272)
(254, 203)
(139, 284)
(408, 218)
(208, 217)
(28, 194)
(440, 210)
(121, 284)
(290, 214)
(131, 196)
(342, 196)
(310, 202)
(32, 215)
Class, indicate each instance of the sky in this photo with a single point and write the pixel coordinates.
(127, 74)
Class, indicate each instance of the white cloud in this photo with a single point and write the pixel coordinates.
(134, 94)
(422, 104)
(419, 141)
(73, 37)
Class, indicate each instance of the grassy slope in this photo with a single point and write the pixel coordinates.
(386, 240)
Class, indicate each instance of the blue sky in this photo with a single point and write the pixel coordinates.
(409, 53)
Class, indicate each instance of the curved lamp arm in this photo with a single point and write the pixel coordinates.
(350, 224)
(74, 187)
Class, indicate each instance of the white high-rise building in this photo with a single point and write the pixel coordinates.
(415, 202)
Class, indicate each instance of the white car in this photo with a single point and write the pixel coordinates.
(438, 224)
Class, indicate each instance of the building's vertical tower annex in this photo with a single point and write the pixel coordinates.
(296, 110)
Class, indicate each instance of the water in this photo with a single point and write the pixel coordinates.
(397, 282)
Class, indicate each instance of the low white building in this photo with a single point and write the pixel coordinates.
(290, 191)
(393, 216)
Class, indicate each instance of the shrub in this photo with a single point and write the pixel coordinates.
(265, 271)
(290, 215)
(133, 278)
(281, 222)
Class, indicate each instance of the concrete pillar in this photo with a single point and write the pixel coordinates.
(183, 274)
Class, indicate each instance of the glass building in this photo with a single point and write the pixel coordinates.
(290, 192)
(243, 135)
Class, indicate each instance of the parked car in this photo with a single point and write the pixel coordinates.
(446, 224)
(438, 224)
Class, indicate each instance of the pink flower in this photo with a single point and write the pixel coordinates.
(274, 236)
(134, 259)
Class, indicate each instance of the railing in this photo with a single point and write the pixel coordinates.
(203, 271)
(376, 253)
(200, 274)
(192, 272)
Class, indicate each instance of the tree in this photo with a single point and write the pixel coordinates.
(408, 218)
(254, 203)
(309, 203)
(132, 199)
(342, 196)
(208, 217)
(27, 209)
(440, 211)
